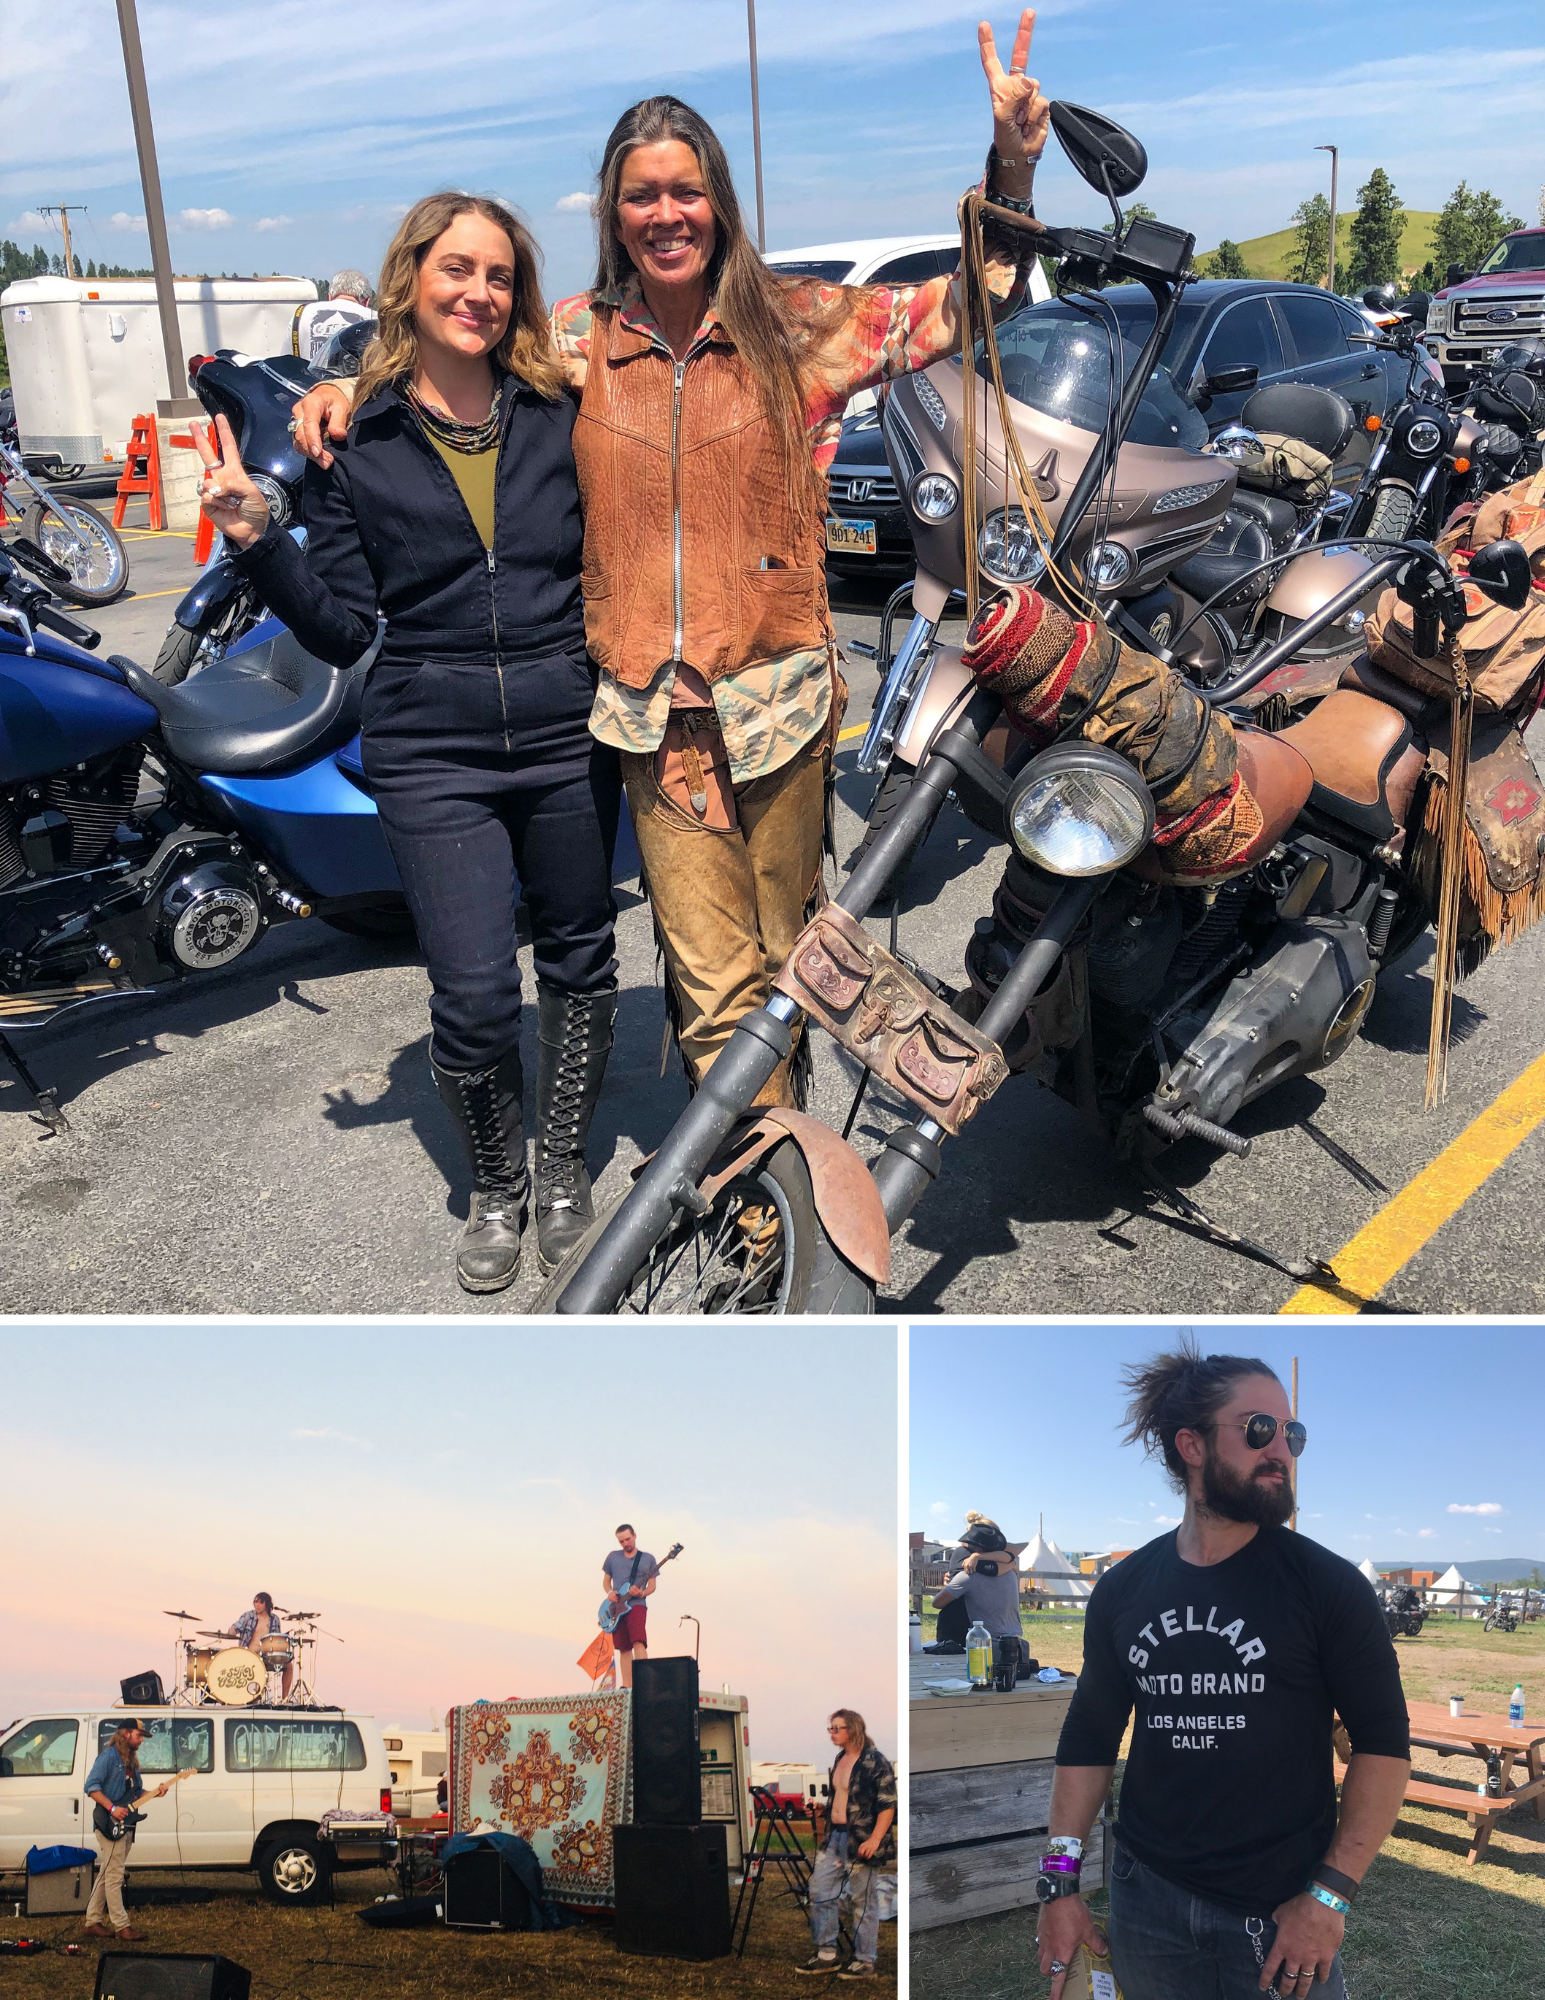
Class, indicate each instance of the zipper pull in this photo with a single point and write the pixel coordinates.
(488, 556)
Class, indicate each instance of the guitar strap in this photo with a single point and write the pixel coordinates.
(633, 1572)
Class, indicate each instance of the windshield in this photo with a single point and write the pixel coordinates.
(1057, 359)
(835, 272)
(1517, 253)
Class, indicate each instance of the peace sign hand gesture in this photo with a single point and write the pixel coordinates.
(226, 496)
(1020, 115)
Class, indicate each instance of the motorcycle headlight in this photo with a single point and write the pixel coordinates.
(278, 499)
(1423, 438)
(1006, 548)
(1079, 809)
(1108, 565)
(935, 496)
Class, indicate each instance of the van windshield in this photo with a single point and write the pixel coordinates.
(1057, 359)
(1517, 253)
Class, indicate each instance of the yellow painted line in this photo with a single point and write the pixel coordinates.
(1409, 1222)
(158, 534)
(139, 596)
(857, 730)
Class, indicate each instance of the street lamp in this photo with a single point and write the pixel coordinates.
(756, 126)
(1335, 160)
(686, 1618)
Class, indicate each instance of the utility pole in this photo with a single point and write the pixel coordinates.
(1293, 1462)
(1330, 273)
(62, 210)
(756, 127)
(177, 402)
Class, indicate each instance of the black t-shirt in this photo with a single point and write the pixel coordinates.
(1234, 1671)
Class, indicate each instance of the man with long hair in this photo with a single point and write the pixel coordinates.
(1237, 1643)
(114, 1783)
(254, 1626)
(859, 1846)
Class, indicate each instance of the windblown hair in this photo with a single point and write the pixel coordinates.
(1181, 1391)
(525, 349)
(262, 1597)
(128, 1751)
(858, 1735)
(775, 342)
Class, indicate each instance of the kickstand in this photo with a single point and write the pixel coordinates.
(1160, 1190)
(48, 1112)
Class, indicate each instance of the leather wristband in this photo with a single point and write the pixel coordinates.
(1022, 205)
(1345, 1886)
(1330, 1899)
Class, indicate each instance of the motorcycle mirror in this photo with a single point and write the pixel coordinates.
(1501, 569)
(1102, 152)
(1233, 381)
(1379, 298)
(1455, 274)
(1416, 304)
(1236, 441)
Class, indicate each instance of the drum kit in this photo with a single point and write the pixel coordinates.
(236, 1676)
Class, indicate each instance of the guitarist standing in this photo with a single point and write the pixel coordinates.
(629, 1573)
(114, 1783)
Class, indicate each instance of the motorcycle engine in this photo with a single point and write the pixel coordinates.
(68, 821)
(211, 915)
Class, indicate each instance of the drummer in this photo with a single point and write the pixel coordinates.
(254, 1626)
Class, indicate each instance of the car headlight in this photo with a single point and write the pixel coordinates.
(1079, 809)
(1007, 549)
(935, 496)
(1423, 438)
(279, 508)
(1437, 316)
(1108, 565)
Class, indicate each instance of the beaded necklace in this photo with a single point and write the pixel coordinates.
(455, 436)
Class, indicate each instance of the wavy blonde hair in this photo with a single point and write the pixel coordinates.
(526, 348)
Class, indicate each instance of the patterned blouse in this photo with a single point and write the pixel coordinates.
(770, 711)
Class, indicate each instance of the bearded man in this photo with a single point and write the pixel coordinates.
(1234, 1643)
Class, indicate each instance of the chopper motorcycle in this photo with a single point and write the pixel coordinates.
(1157, 1010)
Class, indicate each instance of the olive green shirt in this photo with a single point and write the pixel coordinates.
(473, 472)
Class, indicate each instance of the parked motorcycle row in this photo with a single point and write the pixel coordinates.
(153, 825)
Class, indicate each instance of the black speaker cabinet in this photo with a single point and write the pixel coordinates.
(143, 1691)
(673, 1888)
(482, 1893)
(667, 1771)
(135, 1975)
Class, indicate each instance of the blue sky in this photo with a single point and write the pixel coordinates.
(293, 132)
(445, 1495)
(1421, 1439)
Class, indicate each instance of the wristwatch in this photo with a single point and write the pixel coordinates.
(1048, 1888)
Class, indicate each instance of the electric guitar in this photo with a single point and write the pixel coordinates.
(610, 1615)
(115, 1829)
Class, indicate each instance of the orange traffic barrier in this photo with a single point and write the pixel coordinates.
(141, 472)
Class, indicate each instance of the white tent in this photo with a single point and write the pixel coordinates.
(1446, 1590)
(1049, 1569)
(1370, 1572)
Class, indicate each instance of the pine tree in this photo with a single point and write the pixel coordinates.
(1228, 261)
(1466, 232)
(1312, 250)
(1376, 232)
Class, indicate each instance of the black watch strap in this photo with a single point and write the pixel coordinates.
(1332, 1878)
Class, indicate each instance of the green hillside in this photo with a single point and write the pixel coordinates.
(1275, 256)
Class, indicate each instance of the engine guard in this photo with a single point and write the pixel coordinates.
(1295, 1011)
(846, 1198)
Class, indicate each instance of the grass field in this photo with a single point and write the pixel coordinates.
(1276, 256)
(1427, 1925)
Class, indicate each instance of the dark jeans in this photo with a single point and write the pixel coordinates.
(1167, 1944)
(483, 774)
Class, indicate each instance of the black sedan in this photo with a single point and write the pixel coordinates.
(1225, 328)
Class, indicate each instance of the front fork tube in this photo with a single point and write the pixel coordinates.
(884, 725)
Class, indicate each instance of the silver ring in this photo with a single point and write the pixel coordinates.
(1056, 1967)
(293, 426)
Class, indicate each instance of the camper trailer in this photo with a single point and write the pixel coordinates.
(86, 355)
(797, 1786)
(419, 1759)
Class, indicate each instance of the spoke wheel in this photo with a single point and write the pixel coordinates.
(97, 561)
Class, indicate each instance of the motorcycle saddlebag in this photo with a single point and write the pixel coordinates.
(1290, 467)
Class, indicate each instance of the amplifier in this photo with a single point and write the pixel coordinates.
(667, 1764)
(143, 1691)
(673, 1890)
(133, 1975)
(62, 1891)
(483, 1894)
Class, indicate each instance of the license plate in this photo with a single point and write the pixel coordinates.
(850, 538)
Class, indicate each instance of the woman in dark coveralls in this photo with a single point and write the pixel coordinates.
(453, 510)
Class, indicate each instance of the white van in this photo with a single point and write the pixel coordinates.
(264, 1778)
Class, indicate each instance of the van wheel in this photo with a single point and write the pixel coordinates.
(292, 1870)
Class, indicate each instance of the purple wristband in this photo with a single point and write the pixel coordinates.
(1060, 1864)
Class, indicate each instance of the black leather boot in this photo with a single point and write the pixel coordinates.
(574, 1040)
(485, 1106)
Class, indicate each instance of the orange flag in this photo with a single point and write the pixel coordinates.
(597, 1656)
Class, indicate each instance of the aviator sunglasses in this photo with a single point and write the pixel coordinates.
(1259, 1431)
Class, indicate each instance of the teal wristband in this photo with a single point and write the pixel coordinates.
(1330, 1899)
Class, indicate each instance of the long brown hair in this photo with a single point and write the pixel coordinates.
(858, 1735)
(526, 348)
(1181, 1391)
(753, 303)
(128, 1751)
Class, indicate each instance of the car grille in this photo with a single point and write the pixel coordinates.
(847, 487)
(1472, 317)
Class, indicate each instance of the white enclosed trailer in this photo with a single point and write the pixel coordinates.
(86, 356)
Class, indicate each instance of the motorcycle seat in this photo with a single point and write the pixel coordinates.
(1279, 517)
(256, 712)
(1364, 762)
(1239, 543)
(1422, 711)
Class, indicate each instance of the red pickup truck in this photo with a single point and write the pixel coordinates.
(1478, 312)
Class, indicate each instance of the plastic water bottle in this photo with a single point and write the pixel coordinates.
(914, 1634)
(979, 1655)
(1515, 1707)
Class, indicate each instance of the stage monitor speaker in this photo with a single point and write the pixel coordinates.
(673, 1888)
(143, 1691)
(135, 1975)
(667, 1768)
(483, 1893)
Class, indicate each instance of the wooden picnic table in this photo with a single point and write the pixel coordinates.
(1486, 1737)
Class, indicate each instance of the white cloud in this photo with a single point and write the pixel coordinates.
(30, 219)
(579, 204)
(329, 1436)
(203, 218)
(1422, 1534)
(943, 1506)
(1481, 1506)
(265, 223)
(1173, 1520)
(126, 224)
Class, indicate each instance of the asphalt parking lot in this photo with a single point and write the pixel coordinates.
(267, 1139)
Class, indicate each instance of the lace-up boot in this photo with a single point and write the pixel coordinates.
(574, 1040)
(485, 1106)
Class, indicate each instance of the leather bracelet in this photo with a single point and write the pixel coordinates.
(1330, 1899)
(1345, 1886)
(1025, 206)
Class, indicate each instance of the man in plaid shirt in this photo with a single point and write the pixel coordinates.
(860, 1845)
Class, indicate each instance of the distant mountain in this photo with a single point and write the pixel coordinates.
(1276, 256)
(1506, 1570)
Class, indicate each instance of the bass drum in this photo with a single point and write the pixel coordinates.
(235, 1677)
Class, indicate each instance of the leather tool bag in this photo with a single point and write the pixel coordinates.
(885, 1016)
(1292, 468)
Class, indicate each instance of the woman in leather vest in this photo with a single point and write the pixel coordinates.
(451, 511)
(711, 395)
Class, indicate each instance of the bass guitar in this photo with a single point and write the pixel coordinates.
(610, 1615)
(115, 1829)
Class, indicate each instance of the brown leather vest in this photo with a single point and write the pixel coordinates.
(685, 499)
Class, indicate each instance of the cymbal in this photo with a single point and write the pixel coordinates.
(179, 1614)
(213, 1635)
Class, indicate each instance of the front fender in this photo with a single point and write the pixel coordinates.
(846, 1198)
(213, 591)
